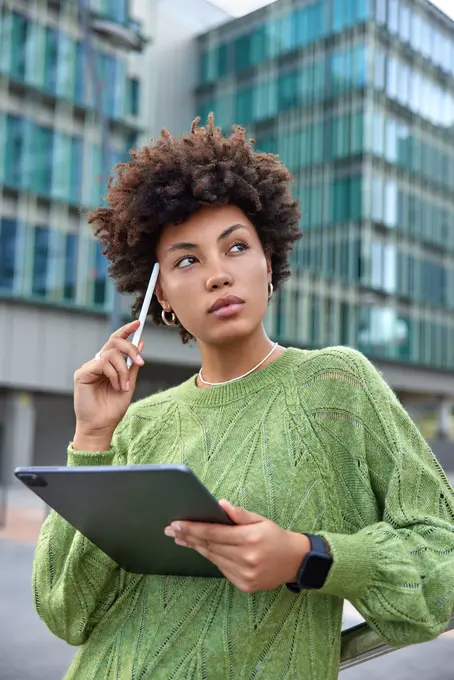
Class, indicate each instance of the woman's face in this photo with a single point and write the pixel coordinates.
(213, 256)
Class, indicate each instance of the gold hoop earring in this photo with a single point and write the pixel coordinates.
(173, 318)
(270, 290)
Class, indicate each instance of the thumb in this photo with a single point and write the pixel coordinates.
(240, 515)
(134, 370)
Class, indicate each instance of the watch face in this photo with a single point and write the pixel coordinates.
(315, 571)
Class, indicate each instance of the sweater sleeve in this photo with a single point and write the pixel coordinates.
(398, 572)
(74, 583)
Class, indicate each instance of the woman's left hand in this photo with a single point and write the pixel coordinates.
(255, 554)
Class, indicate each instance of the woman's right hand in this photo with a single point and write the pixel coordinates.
(103, 390)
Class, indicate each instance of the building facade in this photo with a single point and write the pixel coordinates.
(357, 98)
(56, 300)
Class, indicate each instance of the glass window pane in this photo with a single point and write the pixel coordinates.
(100, 275)
(8, 245)
(392, 78)
(405, 27)
(393, 16)
(19, 35)
(51, 60)
(40, 261)
(71, 251)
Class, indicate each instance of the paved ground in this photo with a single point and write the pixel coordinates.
(28, 651)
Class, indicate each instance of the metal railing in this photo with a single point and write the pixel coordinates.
(360, 643)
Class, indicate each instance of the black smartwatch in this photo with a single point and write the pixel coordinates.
(315, 567)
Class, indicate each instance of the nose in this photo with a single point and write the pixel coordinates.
(219, 280)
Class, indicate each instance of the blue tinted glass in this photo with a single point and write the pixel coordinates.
(41, 261)
(258, 45)
(51, 60)
(363, 10)
(119, 10)
(80, 72)
(242, 52)
(288, 90)
(14, 150)
(302, 26)
(71, 247)
(223, 60)
(76, 169)
(338, 14)
(134, 96)
(244, 106)
(19, 32)
(8, 241)
(101, 264)
(360, 77)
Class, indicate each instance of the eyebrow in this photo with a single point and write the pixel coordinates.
(185, 245)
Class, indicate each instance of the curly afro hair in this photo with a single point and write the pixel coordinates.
(167, 182)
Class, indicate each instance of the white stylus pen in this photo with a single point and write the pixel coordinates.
(145, 308)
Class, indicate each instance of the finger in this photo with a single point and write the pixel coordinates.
(203, 531)
(116, 360)
(111, 374)
(240, 515)
(126, 348)
(125, 331)
(233, 553)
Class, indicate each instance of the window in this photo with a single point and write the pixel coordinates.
(416, 31)
(18, 54)
(357, 133)
(426, 38)
(14, 150)
(133, 96)
(76, 170)
(379, 69)
(223, 62)
(391, 141)
(389, 268)
(377, 199)
(393, 16)
(71, 246)
(100, 275)
(41, 261)
(391, 79)
(244, 105)
(376, 264)
(287, 91)
(378, 135)
(360, 76)
(81, 71)
(242, 52)
(66, 67)
(8, 244)
(404, 24)
(51, 60)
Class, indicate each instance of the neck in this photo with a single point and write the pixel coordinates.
(227, 361)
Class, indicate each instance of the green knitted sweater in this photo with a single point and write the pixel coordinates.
(318, 443)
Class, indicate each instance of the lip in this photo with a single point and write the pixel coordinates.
(227, 301)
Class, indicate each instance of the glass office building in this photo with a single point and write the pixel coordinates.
(357, 98)
(50, 155)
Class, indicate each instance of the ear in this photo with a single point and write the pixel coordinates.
(269, 269)
(160, 294)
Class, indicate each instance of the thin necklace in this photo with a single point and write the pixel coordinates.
(205, 382)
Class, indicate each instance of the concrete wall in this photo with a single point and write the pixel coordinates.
(41, 347)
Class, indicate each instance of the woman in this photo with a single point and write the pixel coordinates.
(333, 492)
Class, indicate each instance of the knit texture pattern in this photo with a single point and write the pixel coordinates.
(316, 442)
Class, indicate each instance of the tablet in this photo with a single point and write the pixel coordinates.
(123, 510)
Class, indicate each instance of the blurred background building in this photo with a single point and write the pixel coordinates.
(357, 98)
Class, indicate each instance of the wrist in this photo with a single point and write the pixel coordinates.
(92, 440)
(299, 547)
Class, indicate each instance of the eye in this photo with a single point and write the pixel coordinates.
(189, 259)
(241, 245)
